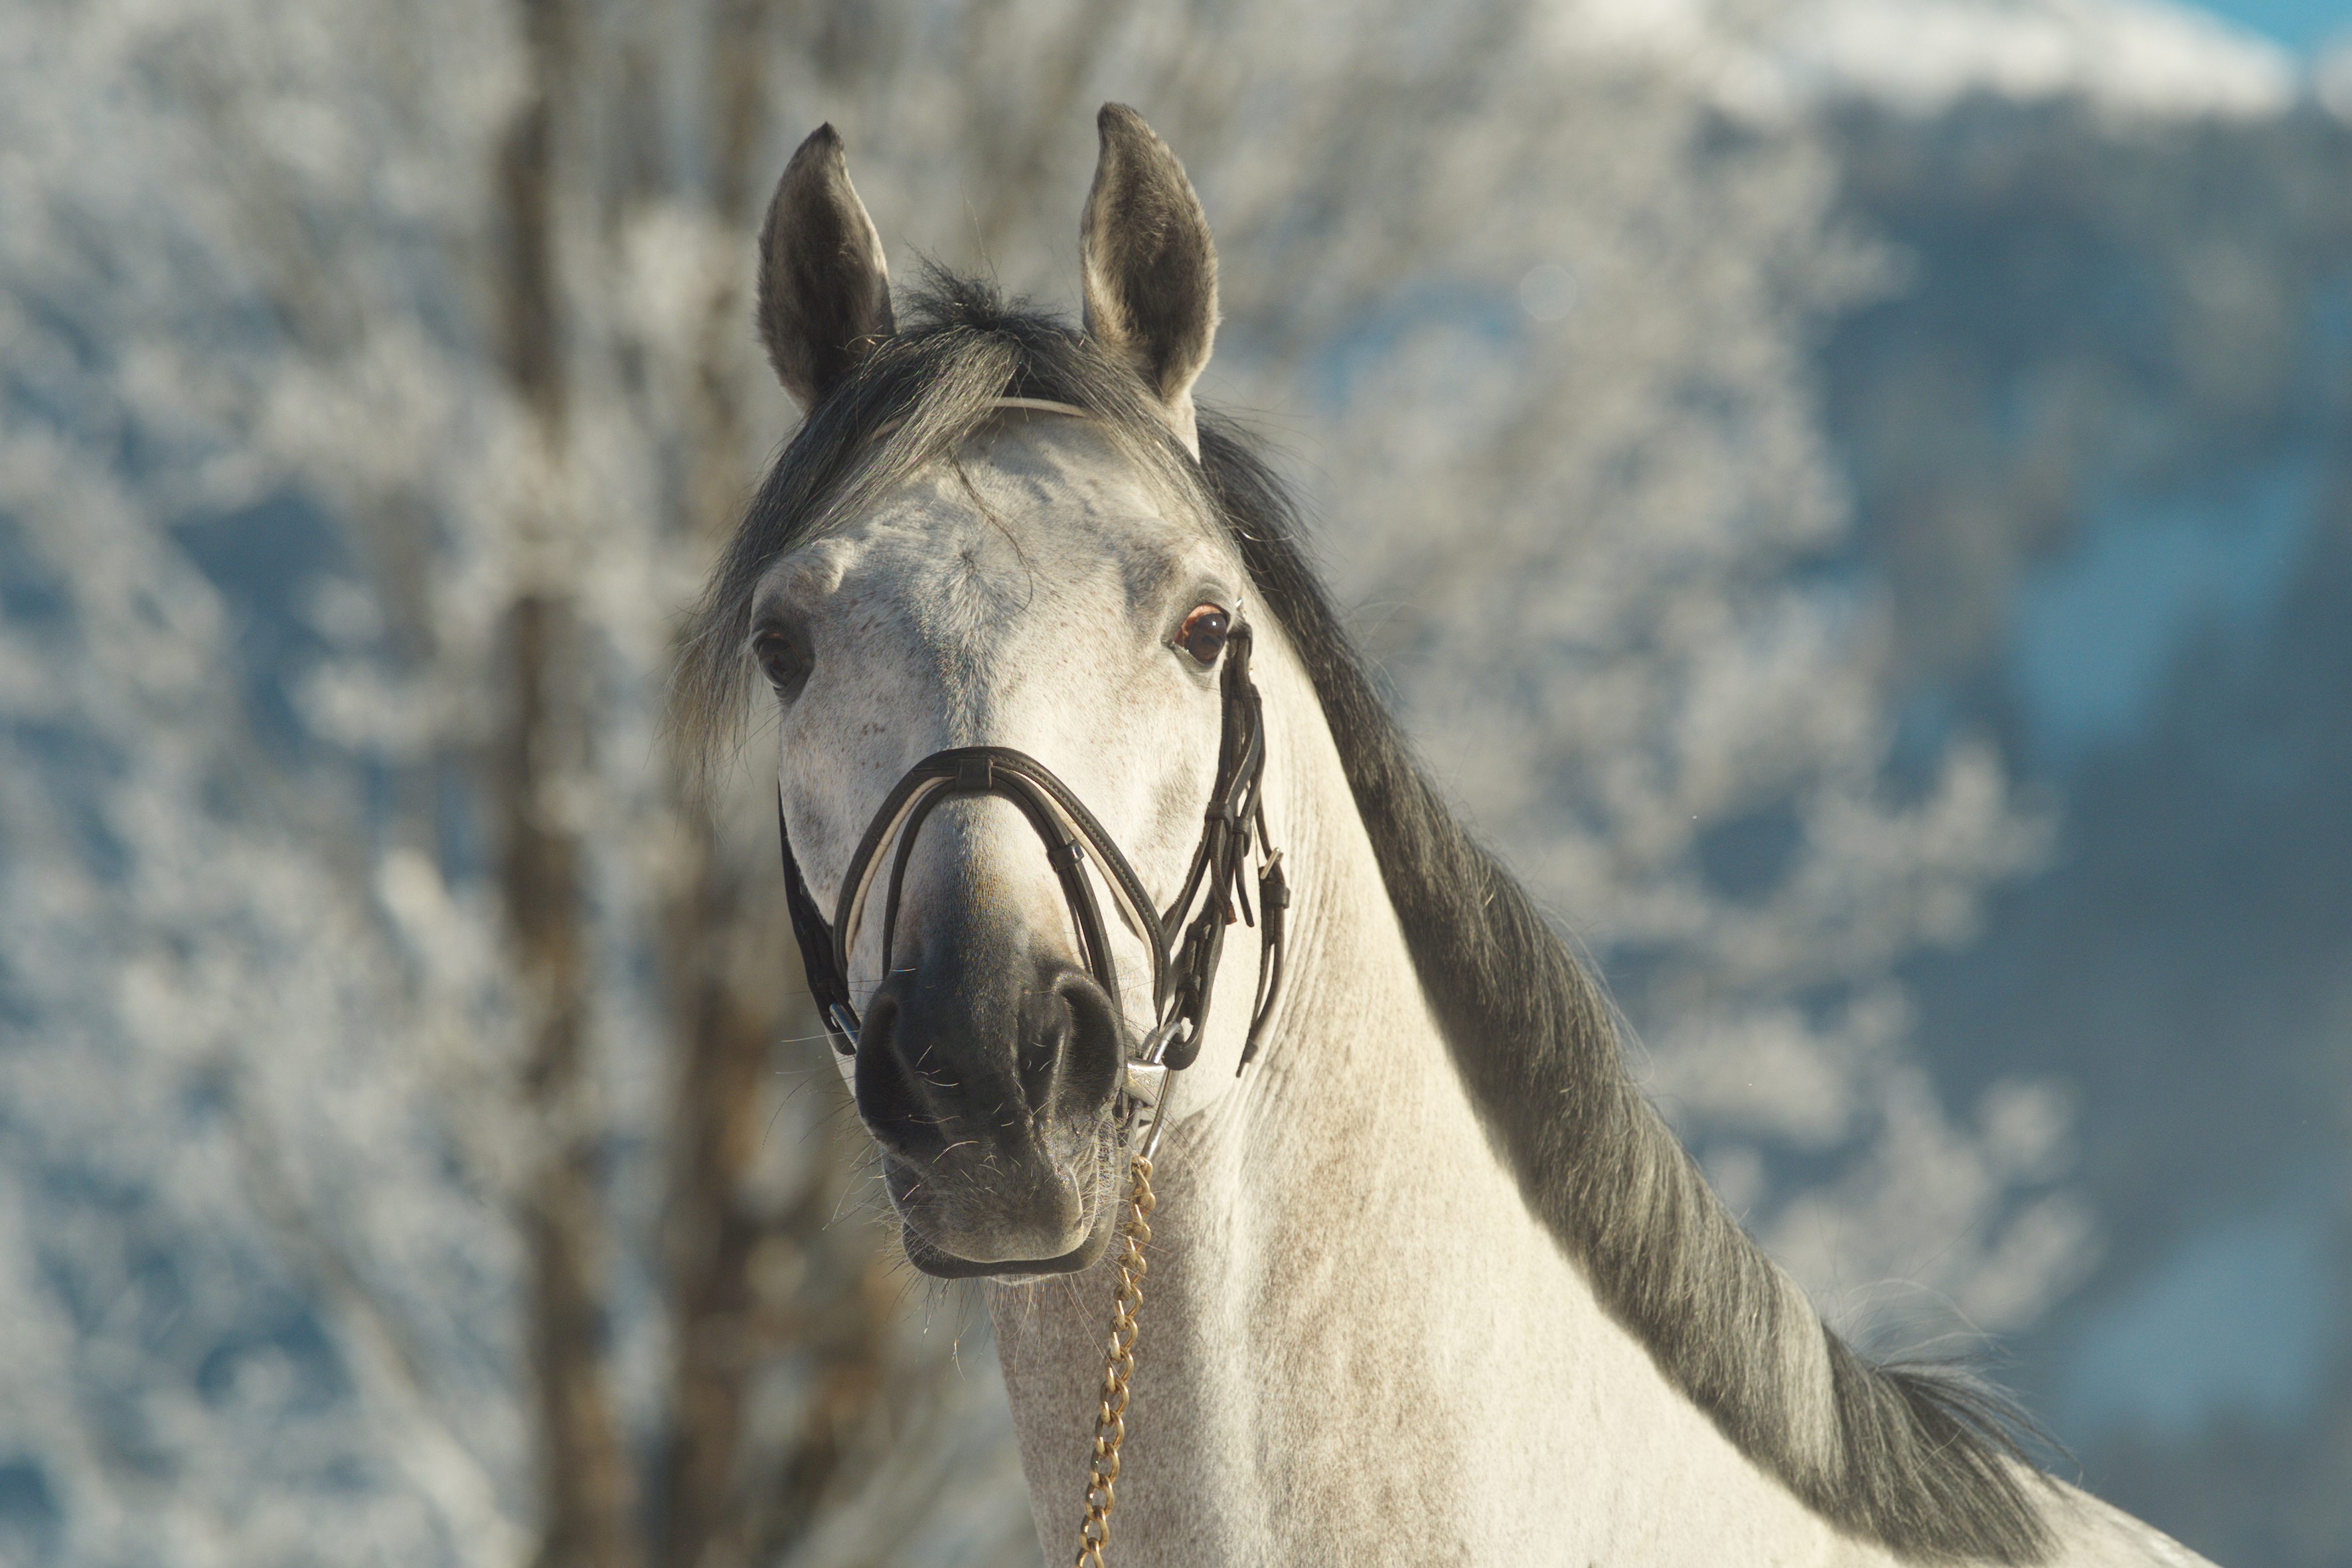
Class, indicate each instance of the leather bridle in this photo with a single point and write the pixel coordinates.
(1184, 967)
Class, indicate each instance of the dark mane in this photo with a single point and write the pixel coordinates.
(1921, 1461)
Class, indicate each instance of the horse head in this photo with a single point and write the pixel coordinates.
(1004, 638)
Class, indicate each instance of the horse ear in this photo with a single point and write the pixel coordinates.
(1150, 266)
(824, 288)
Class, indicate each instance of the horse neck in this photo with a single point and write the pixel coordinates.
(1348, 1296)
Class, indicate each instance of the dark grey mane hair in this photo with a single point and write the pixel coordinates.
(1921, 1460)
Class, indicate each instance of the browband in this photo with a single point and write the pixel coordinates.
(1037, 405)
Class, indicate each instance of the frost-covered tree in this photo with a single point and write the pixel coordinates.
(255, 1118)
(409, 1149)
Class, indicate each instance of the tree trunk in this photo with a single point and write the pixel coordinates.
(586, 1491)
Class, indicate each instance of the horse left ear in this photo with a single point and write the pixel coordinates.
(1150, 266)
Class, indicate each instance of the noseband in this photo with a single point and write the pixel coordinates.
(1184, 968)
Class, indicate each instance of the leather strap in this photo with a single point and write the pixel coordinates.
(1182, 982)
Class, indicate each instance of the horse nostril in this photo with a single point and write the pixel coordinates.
(887, 1092)
(1097, 1051)
(1043, 1046)
(1068, 1054)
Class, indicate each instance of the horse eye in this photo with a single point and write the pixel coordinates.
(782, 661)
(1202, 635)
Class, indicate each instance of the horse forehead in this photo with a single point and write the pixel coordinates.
(1016, 524)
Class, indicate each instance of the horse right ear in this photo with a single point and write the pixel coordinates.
(824, 288)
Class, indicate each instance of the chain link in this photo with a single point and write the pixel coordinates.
(1110, 1413)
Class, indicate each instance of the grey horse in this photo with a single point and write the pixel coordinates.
(1428, 1281)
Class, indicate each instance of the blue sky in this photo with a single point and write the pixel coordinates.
(2298, 23)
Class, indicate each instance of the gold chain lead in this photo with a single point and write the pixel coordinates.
(1110, 1414)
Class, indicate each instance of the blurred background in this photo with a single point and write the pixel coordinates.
(1855, 497)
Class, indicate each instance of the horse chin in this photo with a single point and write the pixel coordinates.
(963, 1224)
(943, 1264)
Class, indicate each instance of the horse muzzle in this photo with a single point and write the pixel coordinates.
(1001, 1085)
(991, 1088)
